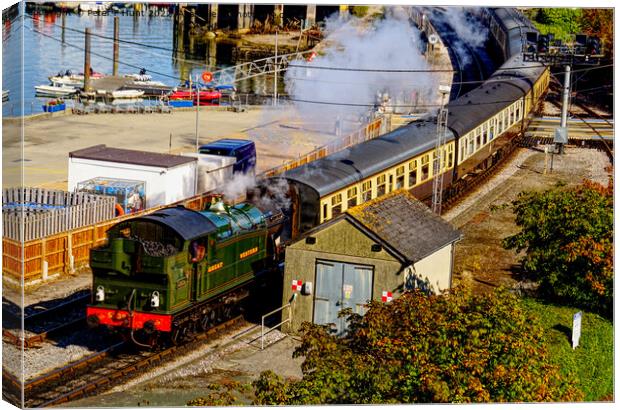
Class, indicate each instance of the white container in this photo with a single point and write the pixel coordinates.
(214, 171)
(168, 178)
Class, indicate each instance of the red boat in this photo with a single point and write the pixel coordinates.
(204, 95)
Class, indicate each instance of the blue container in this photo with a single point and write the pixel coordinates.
(54, 108)
(181, 103)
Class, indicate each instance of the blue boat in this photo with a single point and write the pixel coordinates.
(181, 103)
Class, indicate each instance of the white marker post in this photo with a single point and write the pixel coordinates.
(576, 329)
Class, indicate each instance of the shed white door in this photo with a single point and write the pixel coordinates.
(340, 286)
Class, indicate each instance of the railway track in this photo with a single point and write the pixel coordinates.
(469, 67)
(99, 371)
(43, 322)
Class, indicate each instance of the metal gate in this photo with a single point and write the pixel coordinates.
(340, 286)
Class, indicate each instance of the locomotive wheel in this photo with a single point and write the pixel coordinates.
(174, 336)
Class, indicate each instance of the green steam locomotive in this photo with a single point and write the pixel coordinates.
(178, 271)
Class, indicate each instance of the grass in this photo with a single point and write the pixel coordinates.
(592, 362)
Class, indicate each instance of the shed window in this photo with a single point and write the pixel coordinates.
(400, 177)
(381, 185)
(413, 173)
(367, 191)
(351, 197)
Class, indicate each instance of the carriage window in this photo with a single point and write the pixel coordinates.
(492, 130)
(381, 185)
(517, 111)
(400, 177)
(413, 173)
(324, 210)
(479, 140)
(336, 205)
(351, 197)
(450, 155)
(471, 141)
(463, 150)
(425, 168)
(367, 191)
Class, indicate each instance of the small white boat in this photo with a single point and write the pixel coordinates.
(68, 81)
(95, 6)
(127, 94)
(139, 77)
(52, 91)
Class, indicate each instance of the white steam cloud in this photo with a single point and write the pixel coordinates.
(339, 95)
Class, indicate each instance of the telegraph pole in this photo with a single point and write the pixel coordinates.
(86, 60)
(561, 133)
(440, 142)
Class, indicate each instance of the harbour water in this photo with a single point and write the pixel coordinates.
(147, 41)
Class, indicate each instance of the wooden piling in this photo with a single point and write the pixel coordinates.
(115, 51)
(86, 60)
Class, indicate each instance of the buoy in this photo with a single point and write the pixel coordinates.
(119, 210)
(207, 77)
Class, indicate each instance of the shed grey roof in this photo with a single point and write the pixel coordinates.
(405, 224)
(129, 156)
(341, 169)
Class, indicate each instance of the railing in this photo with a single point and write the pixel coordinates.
(256, 68)
(271, 329)
(370, 131)
(32, 213)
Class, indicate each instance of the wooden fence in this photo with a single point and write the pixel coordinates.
(66, 251)
(370, 131)
(33, 213)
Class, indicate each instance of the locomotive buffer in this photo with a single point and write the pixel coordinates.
(442, 123)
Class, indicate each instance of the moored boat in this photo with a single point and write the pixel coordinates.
(204, 95)
(53, 91)
(127, 94)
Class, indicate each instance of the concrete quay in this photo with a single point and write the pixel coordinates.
(47, 141)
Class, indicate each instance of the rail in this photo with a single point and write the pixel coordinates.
(271, 329)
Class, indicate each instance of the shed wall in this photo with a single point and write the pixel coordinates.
(437, 268)
(340, 242)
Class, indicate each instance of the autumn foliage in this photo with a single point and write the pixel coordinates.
(567, 237)
(453, 348)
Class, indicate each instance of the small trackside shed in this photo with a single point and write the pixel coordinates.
(168, 178)
(375, 250)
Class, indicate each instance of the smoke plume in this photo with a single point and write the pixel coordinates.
(340, 95)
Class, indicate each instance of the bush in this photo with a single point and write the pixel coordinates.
(567, 236)
(455, 348)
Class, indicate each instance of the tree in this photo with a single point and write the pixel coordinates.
(456, 347)
(600, 23)
(567, 236)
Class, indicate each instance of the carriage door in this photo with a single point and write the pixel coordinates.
(340, 286)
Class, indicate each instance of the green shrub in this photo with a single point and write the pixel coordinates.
(454, 348)
(567, 236)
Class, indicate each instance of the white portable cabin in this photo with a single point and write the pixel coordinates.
(214, 171)
(168, 178)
